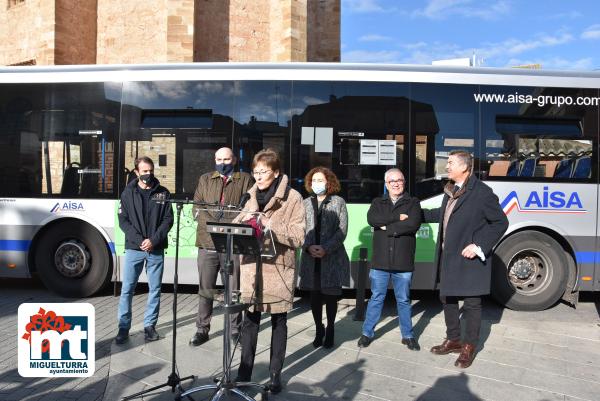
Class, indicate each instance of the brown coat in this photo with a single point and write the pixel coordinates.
(286, 213)
(208, 190)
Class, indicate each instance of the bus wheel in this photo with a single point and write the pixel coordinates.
(529, 271)
(72, 259)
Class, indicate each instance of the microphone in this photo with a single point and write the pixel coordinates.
(243, 199)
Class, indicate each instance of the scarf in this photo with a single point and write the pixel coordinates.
(264, 196)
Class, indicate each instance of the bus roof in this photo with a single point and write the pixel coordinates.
(300, 72)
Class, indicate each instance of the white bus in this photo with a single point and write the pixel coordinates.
(69, 136)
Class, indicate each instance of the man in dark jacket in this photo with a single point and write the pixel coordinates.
(471, 222)
(395, 218)
(146, 223)
(223, 187)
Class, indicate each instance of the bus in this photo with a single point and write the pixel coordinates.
(69, 136)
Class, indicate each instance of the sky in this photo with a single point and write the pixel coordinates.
(559, 35)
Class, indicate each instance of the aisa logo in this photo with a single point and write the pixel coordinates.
(67, 207)
(545, 201)
(56, 340)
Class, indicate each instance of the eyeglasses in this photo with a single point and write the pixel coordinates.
(392, 182)
(260, 173)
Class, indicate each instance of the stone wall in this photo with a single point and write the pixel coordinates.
(323, 30)
(27, 32)
(75, 35)
(161, 31)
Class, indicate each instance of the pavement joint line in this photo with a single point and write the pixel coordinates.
(583, 364)
(537, 370)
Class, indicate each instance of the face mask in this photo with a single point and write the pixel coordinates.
(147, 179)
(225, 169)
(319, 188)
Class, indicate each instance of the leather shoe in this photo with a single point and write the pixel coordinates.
(274, 385)
(447, 347)
(364, 341)
(199, 339)
(122, 336)
(150, 334)
(467, 354)
(411, 344)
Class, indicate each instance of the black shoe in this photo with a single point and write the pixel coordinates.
(199, 339)
(150, 334)
(122, 336)
(364, 341)
(411, 344)
(274, 385)
(319, 333)
(329, 334)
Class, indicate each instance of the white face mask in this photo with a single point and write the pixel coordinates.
(319, 188)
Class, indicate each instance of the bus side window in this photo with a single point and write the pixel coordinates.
(564, 168)
(582, 168)
(70, 184)
(499, 168)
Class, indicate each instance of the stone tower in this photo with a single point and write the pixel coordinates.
(164, 31)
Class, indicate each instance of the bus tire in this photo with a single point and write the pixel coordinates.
(73, 259)
(529, 271)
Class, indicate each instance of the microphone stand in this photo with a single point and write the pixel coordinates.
(173, 381)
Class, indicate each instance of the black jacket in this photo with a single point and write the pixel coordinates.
(477, 218)
(131, 219)
(394, 247)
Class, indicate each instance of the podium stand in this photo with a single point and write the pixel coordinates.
(231, 239)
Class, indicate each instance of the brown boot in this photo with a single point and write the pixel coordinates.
(447, 347)
(467, 354)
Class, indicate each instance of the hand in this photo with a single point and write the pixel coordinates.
(146, 245)
(403, 217)
(469, 251)
(316, 251)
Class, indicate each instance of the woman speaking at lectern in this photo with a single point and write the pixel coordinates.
(283, 215)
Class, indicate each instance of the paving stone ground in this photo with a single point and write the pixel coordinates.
(539, 356)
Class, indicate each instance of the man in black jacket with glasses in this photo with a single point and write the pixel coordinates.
(395, 218)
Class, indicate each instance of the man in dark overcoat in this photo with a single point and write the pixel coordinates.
(471, 222)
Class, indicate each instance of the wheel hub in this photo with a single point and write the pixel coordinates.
(529, 271)
(72, 259)
(523, 268)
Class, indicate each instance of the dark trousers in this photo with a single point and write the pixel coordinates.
(249, 338)
(209, 265)
(316, 306)
(471, 314)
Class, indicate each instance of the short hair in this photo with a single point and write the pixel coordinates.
(465, 158)
(333, 184)
(143, 159)
(269, 157)
(392, 170)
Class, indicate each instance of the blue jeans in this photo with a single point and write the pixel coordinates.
(379, 286)
(133, 265)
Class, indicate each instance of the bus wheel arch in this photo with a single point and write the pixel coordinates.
(532, 269)
(71, 257)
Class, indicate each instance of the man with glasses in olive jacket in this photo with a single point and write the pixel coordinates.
(395, 218)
